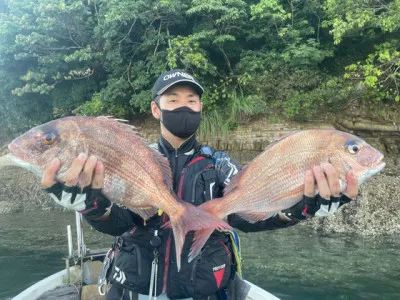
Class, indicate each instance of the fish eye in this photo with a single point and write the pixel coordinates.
(353, 147)
(49, 139)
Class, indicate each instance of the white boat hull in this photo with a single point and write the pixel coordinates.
(59, 279)
(49, 283)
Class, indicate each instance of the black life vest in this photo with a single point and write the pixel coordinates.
(197, 183)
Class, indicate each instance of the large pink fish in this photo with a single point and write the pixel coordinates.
(274, 180)
(136, 176)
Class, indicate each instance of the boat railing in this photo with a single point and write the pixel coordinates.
(81, 252)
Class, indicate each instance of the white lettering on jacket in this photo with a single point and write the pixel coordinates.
(219, 267)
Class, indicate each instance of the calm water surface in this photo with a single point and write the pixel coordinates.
(291, 263)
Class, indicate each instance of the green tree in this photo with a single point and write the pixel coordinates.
(378, 22)
(296, 59)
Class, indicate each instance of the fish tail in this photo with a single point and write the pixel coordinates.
(193, 218)
(199, 240)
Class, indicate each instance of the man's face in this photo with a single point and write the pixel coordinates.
(178, 96)
(174, 98)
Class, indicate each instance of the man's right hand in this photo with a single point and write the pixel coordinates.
(81, 190)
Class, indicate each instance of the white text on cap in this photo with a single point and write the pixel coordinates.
(179, 74)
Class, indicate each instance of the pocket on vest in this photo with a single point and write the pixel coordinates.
(131, 268)
(209, 272)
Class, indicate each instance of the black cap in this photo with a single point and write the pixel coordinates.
(173, 77)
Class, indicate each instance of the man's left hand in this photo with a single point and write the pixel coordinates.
(328, 199)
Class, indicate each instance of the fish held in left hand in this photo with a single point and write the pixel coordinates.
(136, 176)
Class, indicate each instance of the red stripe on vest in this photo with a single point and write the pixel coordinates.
(166, 263)
(180, 189)
(196, 160)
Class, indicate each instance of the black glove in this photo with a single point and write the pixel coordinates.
(90, 202)
(309, 207)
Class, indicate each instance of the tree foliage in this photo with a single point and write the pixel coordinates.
(293, 58)
(378, 22)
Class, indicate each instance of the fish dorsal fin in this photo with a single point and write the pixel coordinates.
(164, 165)
(157, 156)
(281, 138)
(120, 123)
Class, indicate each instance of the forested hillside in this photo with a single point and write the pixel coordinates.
(288, 59)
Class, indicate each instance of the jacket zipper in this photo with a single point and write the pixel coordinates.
(180, 190)
(165, 218)
(176, 165)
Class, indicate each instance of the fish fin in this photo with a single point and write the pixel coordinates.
(166, 225)
(145, 213)
(192, 218)
(113, 118)
(281, 138)
(164, 166)
(253, 217)
(120, 123)
(156, 155)
(199, 240)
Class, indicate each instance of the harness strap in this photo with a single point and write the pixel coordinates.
(235, 240)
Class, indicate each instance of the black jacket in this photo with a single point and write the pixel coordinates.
(199, 174)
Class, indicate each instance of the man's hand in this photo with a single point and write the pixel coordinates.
(328, 199)
(81, 190)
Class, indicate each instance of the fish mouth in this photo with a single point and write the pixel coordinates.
(378, 168)
(12, 160)
(9, 160)
(371, 172)
(379, 164)
(19, 152)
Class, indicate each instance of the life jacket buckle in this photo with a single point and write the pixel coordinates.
(102, 281)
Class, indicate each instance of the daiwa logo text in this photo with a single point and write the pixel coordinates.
(119, 276)
(178, 74)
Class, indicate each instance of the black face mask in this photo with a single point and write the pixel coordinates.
(181, 122)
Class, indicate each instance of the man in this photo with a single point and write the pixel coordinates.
(144, 250)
